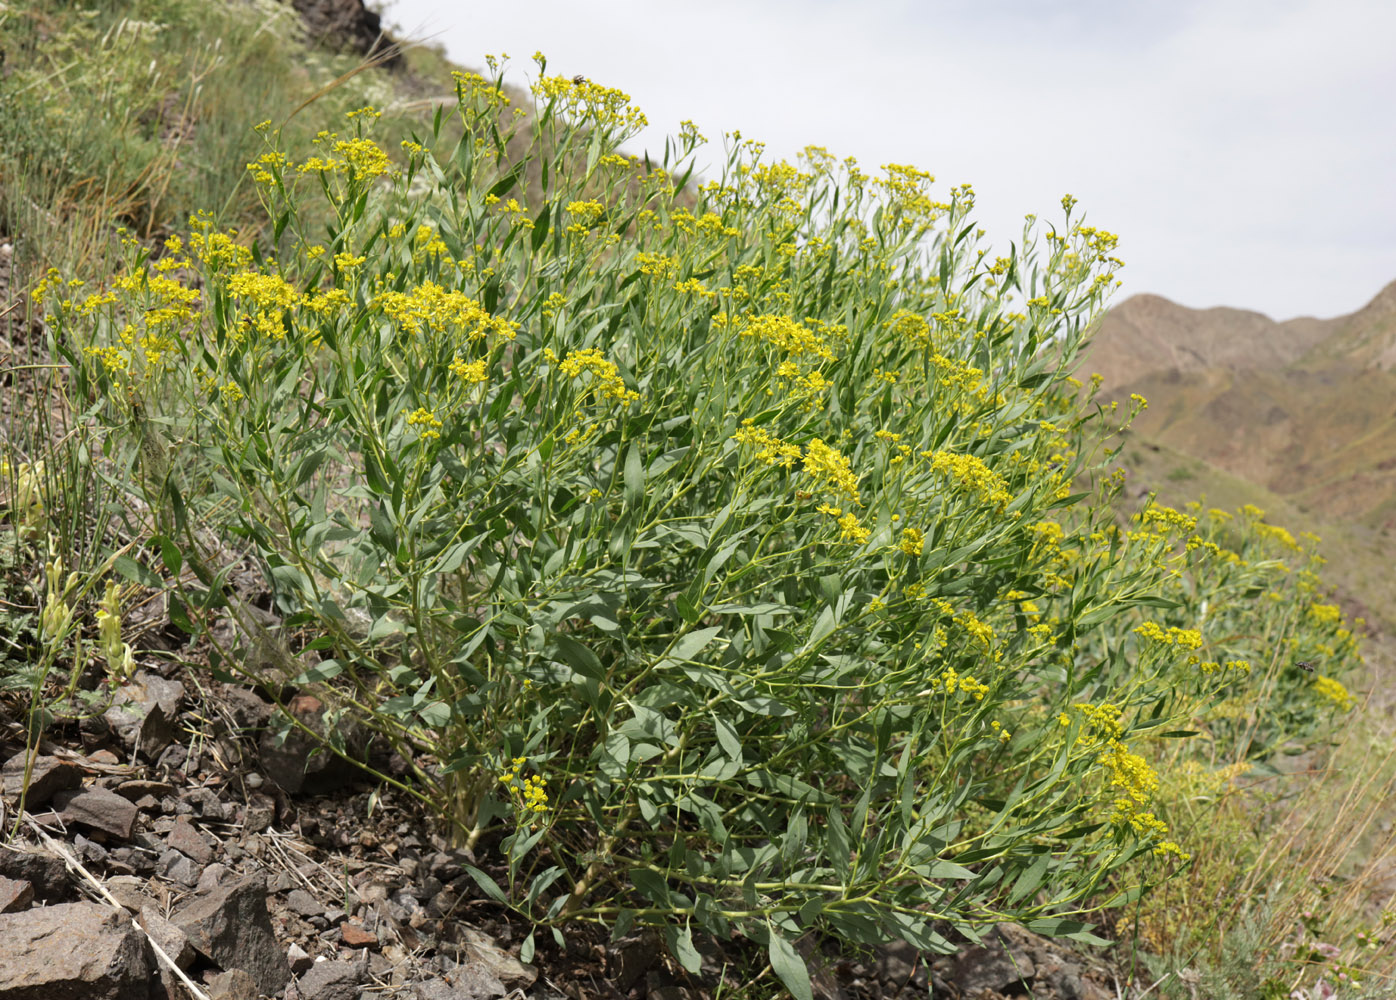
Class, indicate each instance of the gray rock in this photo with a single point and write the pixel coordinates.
(231, 926)
(299, 959)
(482, 953)
(305, 904)
(47, 874)
(183, 837)
(73, 951)
(169, 937)
(129, 716)
(1000, 964)
(100, 809)
(259, 813)
(15, 894)
(178, 868)
(300, 764)
(331, 981)
(235, 984)
(47, 777)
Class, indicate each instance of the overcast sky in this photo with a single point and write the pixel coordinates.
(1244, 150)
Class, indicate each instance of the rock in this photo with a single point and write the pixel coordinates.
(631, 957)
(15, 894)
(47, 874)
(480, 950)
(331, 981)
(47, 777)
(235, 984)
(169, 937)
(259, 813)
(145, 696)
(206, 803)
(100, 809)
(212, 875)
(348, 24)
(354, 936)
(129, 891)
(178, 867)
(1000, 964)
(183, 837)
(298, 958)
(247, 708)
(300, 764)
(89, 851)
(231, 926)
(73, 951)
(138, 788)
(305, 904)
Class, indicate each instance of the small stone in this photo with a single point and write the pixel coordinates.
(211, 876)
(299, 959)
(254, 780)
(331, 981)
(129, 891)
(259, 813)
(189, 841)
(88, 851)
(100, 809)
(178, 867)
(305, 904)
(15, 894)
(173, 941)
(138, 788)
(234, 984)
(47, 777)
(354, 936)
(148, 803)
(104, 757)
(46, 873)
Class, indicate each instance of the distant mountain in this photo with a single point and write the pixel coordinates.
(1304, 408)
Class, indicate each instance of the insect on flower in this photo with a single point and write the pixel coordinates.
(578, 80)
(1305, 665)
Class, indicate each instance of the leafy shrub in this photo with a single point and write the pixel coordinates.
(718, 544)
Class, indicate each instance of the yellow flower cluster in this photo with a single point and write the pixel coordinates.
(913, 543)
(778, 331)
(431, 307)
(657, 265)
(850, 528)
(609, 384)
(972, 475)
(1335, 692)
(604, 107)
(1103, 718)
(469, 372)
(426, 421)
(1186, 638)
(831, 470)
(1212, 667)
(770, 449)
(1167, 519)
(1325, 614)
(532, 790)
(952, 681)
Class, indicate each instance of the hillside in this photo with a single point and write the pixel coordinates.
(453, 558)
(1303, 408)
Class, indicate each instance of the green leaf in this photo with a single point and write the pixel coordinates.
(727, 738)
(488, 885)
(634, 476)
(688, 646)
(540, 226)
(682, 944)
(526, 949)
(652, 884)
(787, 964)
(579, 657)
(1029, 881)
(136, 573)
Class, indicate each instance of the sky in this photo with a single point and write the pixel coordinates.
(1243, 150)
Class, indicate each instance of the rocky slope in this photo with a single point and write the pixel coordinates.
(1305, 408)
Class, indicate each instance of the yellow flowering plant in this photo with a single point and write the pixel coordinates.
(745, 515)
